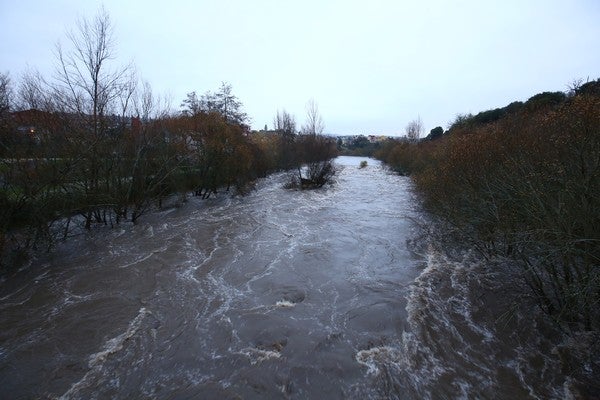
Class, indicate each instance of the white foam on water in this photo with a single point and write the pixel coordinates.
(257, 356)
(41, 276)
(149, 231)
(18, 291)
(375, 357)
(144, 258)
(569, 392)
(446, 334)
(97, 360)
(425, 299)
(285, 304)
(69, 299)
(436, 298)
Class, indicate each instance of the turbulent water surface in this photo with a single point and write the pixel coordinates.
(279, 294)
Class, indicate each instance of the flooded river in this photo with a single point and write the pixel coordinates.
(323, 294)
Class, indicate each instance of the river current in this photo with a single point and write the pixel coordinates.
(320, 294)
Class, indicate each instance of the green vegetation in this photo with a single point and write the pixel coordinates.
(523, 182)
(363, 164)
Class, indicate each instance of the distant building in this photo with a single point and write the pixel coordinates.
(377, 138)
(34, 124)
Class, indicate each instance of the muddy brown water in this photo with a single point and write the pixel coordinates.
(279, 294)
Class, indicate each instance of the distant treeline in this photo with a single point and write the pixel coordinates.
(523, 181)
(359, 146)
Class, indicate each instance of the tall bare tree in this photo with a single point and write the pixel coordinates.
(284, 123)
(414, 130)
(89, 86)
(86, 82)
(33, 92)
(126, 92)
(148, 105)
(314, 123)
(144, 102)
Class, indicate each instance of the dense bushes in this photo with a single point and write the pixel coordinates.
(69, 177)
(526, 186)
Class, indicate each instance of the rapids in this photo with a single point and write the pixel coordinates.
(279, 294)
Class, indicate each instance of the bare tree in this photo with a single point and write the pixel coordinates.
(126, 92)
(314, 123)
(574, 86)
(33, 92)
(5, 93)
(284, 123)
(5, 108)
(144, 102)
(86, 84)
(312, 152)
(414, 130)
(90, 87)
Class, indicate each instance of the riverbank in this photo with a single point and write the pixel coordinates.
(483, 305)
(520, 187)
(52, 190)
(526, 186)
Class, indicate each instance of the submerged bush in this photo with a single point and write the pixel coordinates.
(315, 153)
(312, 176)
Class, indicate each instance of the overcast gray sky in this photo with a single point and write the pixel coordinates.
(372, 66)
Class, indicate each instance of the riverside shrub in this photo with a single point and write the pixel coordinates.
(527, 186)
